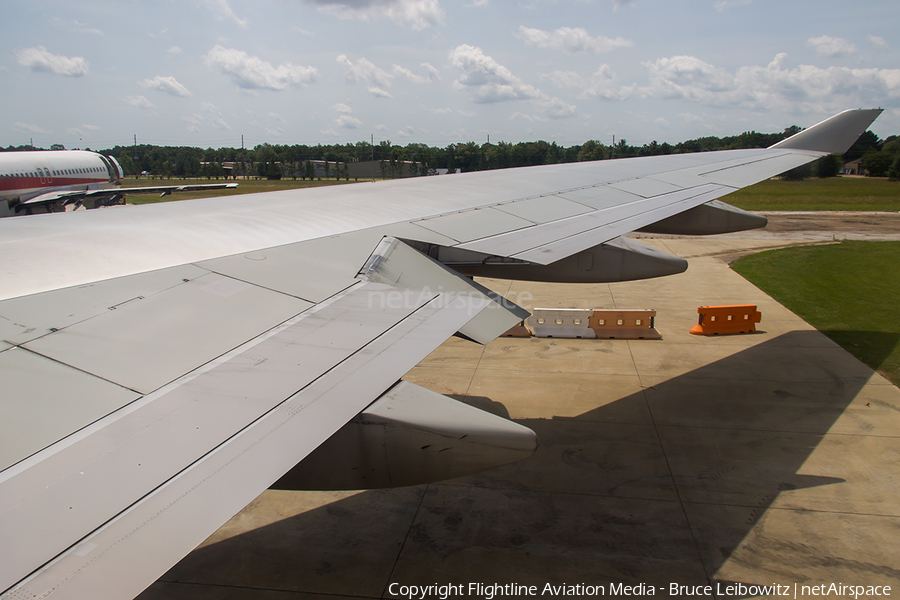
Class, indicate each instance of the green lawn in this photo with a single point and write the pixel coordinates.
(834, 193)
(848, 291)
(245, 186)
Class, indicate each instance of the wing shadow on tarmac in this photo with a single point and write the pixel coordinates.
(665, 497)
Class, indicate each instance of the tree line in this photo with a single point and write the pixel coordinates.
(879, 157)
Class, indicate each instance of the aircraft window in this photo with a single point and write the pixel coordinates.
(619, 322)
(540, 321)
(577, 321)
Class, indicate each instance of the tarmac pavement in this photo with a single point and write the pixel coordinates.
(767, 458)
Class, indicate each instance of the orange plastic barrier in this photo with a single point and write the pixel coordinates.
(518, 330)
(719, 320)
(626, 324)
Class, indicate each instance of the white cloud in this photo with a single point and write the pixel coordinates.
(19, 126)
(571, 40)
(433, 73)
(723, 5)
(487, 80)
(210, 116)
(378, 92)
(617, 4)
(691, 118)
(174, 50)
(831, 47)
(878, 42)
(222, 10)
(404, 73)
(419, 13)
(79, 131)
(661, 122)
(253, 73)
(556, 108)
(687, 77)
(364, 71)
(806, 88)
(603, 84)
(39, 59)
(138, 101)
(77, 26)
(342, 108)
(348, 122)
(168, 85)
(377, 78)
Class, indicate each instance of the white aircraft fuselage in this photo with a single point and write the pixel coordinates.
(25, 175)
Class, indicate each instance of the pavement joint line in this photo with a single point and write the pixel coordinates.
(260, 589)
(662, 447)
(795, 509)
(790, 431)
(559, 493)
(412, 522)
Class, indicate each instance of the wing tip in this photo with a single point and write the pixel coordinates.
(834, 135)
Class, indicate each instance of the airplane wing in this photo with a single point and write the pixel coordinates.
(162, 365)
(110, 196)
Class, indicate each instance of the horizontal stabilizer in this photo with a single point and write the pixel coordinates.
(834, 135)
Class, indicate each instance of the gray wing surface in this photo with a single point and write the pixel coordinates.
(162, 365)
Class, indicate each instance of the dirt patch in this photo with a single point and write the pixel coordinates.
(849, 223)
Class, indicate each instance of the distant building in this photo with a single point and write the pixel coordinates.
(852, 168)
(372, 169)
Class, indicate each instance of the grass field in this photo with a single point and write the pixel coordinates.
(848, 291)
(245, 186)
(835, 193)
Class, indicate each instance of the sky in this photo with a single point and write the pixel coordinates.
(94, 74)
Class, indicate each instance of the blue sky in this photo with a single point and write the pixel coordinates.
(205, 72)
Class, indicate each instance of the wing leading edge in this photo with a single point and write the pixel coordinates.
(273, 320)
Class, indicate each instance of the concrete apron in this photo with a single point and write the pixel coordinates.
(760, 459)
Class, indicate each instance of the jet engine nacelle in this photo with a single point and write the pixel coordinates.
(708, 219)
(620, 259)
(410, 435)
